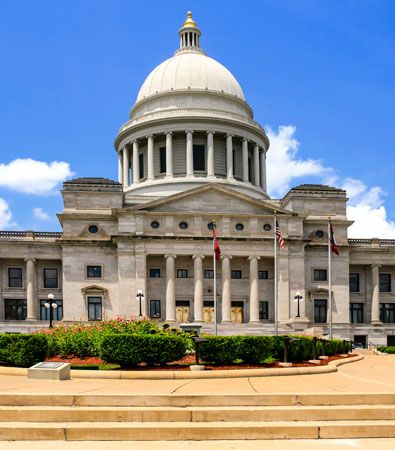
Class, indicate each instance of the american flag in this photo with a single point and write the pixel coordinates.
(334, 247)
(280, 239)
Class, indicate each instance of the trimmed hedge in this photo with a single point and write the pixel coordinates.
(386, 349)
(255, 349)
(22, 350)
(131, 349)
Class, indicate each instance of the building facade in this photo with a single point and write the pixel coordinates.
(190, 154)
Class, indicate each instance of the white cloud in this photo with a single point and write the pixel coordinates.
(40, 214)
(29, 176)
(5, 214)
(365, 206)
(283, 163)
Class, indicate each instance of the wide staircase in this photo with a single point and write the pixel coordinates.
(195, 417)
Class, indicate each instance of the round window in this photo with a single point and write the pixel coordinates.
(319, 234)
(183, 225)
(239, 227)
(155, 224)
(267, 227)
(93, 229)
(210, 225)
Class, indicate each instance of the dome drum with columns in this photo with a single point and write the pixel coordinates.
(191, 125)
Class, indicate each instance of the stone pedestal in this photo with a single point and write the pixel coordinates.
(49, 371)
(298, 324)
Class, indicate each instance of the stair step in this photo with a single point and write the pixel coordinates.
(121, 431)
(195, 414)
(196, 400)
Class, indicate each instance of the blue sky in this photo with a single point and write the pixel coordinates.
(323, 70)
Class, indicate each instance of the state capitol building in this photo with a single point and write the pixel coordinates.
(190, 154)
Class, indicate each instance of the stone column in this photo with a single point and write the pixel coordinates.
(150, 157)
(226, 292)
(245, 160)
(1, 298)
(170, 289)
(189, 153)
(169, 155)
(120, 167)
(254, 292)
(31, 290)
(256, 165)
(263, 169)
(126, 164)
(210, 154)
(198, 289)
(375, 314)
(136, 163)
(229, 156)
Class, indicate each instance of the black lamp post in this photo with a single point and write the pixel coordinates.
(139, 296)
(51, 306)
(298, 298)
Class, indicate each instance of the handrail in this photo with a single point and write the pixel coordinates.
(373, 347)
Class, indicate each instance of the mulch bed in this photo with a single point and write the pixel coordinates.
(184, 363)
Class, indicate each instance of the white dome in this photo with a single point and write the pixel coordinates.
(190, 70)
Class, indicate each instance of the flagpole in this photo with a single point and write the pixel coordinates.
(215, 285)
(330, 278)
(275, 275)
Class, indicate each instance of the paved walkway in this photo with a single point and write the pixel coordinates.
(373, 374)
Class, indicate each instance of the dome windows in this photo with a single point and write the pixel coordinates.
(93, 229)
(183, 225)
(319, 234)
(155, 224)
(239, 227)
(267, 227)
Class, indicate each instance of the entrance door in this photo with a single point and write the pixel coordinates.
(391, 340)
(182, 311)
(360, 339)
(208, 312)
(237, 312)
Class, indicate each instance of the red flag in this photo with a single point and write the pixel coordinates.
(334, 246)
(216, 247)
(280, 238)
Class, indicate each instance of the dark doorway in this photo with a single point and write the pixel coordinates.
(360, 339)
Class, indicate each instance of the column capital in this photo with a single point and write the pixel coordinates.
(226, 256)
(198, 256)
(149, 136)
(135, 141)
(30, 259)
(375, 265)
(170, 255)
(230, 135)
(254, 257)
(210, 132)
(168, 133)
(188, 131)
(245, 139)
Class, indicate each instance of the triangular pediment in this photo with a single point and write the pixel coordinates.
(213, 199)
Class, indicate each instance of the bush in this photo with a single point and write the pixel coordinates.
(22, 350)
(256, 349)
(221, 349)
(385, 349)
(131, 349)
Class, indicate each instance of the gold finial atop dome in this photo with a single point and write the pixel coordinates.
(189, 22)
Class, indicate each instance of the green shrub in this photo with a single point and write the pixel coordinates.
(131, 349)
(385, 349)
(22, 350)
(256, 349)
(221, 349)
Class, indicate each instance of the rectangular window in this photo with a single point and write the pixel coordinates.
(236, 274)
(250, 170)
(15, 277)
(141, 166)
(387, 312)
(234, 162)
(385, 282)
(354, 282)
(154, 273)
(15, 309)
(320, 311)
(94, 308)
(162, 160)
(57, 313)
(50, 278)
(263, 310)
(154, 309)
(263, 275)
(208, 273)
(182, 273)
(199, 163)
(319, 274)
(93, 271)
(356, 312)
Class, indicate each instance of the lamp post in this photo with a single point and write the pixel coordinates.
(298, 298)
(139, 296)
(51, 306)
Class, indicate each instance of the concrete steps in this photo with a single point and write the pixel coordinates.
(195, 417)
